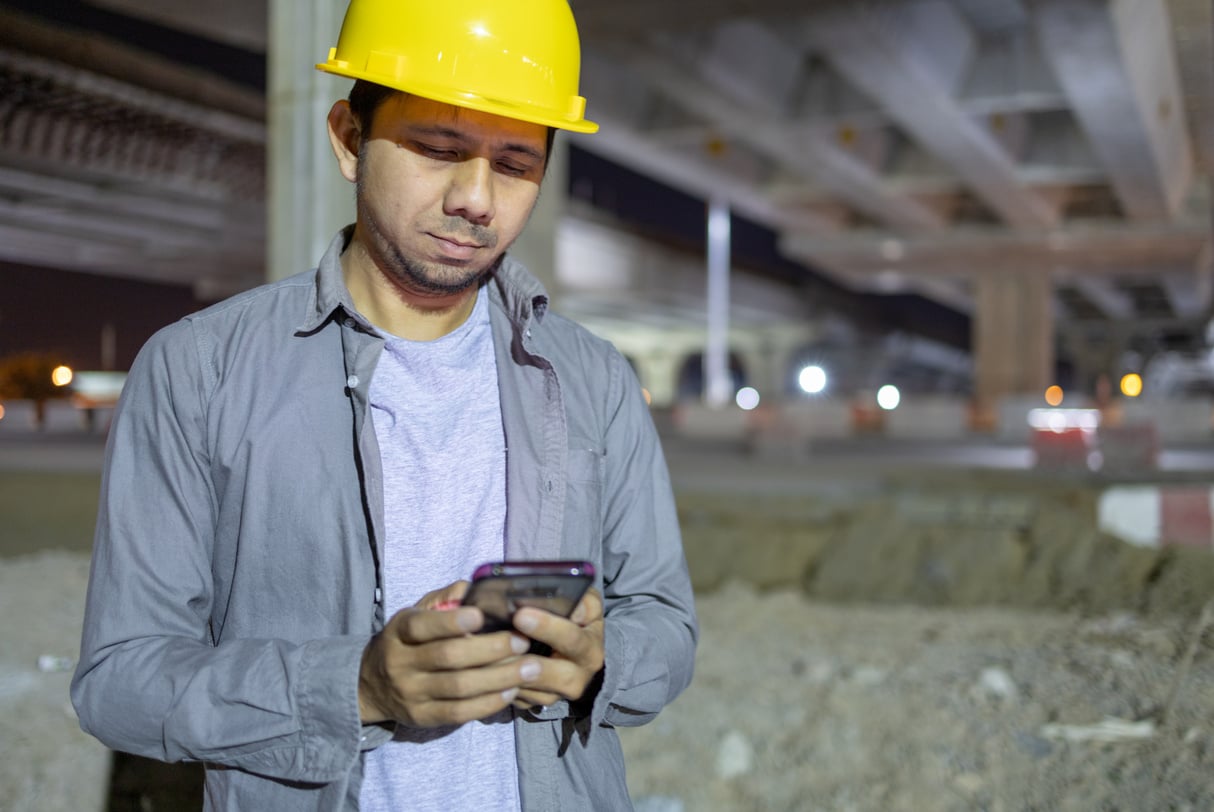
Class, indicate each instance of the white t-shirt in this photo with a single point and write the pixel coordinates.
(437, 417)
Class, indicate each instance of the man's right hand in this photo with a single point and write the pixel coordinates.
(428, 668)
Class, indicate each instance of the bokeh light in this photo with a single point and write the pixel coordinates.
(812, 379)
(747, 398)
(888, 397)
(61, 376)
(1131, 385)
(1054, 395)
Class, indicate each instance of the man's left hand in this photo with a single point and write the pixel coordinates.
(577, 651)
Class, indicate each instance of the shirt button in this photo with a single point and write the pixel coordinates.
(352, 382)
(379, 595)
(349, 322)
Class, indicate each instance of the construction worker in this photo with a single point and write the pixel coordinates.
(299, 480)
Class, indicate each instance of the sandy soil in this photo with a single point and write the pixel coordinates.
(796, 706)
(804, 706)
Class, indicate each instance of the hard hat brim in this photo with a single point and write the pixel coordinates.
(471, 101)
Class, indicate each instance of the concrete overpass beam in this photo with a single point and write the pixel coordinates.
(910, 58)
(1116, 62)
(1114, 303)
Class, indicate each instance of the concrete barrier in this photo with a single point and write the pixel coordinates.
(1128, 448)
(926, 417)
(1177, 420)
(60, 416)
(696, 421)
(821, 418)
(1159, 515)
(1068, 449)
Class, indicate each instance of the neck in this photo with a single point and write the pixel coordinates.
(401, 311)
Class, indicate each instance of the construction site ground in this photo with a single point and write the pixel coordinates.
(883, 628)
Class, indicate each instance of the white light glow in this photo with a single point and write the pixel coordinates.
(812, 379)
(1062, 419)
(888, 397)
(747, 398)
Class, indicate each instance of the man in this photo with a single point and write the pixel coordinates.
(299, 478)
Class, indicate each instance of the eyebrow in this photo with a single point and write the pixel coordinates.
(457, 135)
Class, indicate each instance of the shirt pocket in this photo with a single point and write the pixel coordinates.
(583, 532)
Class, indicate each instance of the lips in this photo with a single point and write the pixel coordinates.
(454, 248)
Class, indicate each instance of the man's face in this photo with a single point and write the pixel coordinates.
(443, 191)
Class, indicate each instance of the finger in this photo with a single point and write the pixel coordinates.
(530, 699)
(457, 712)
(468, 651)
(416, 626)
(581, 644)
(551, 677)
(468, 683)
(588, 609)
(448, 596)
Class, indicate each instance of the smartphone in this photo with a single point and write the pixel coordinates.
(500, 588)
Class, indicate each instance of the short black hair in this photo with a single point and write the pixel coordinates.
(366, 97)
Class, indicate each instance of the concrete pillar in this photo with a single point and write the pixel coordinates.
(536, 246)
(718, 385)
(308, 198)
(1013, 335)
(759, 359)
(658, 370)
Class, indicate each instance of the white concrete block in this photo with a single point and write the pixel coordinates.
(821, 418)
(1178, 420)
(928, 417)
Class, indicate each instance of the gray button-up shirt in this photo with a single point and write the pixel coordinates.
(236, 566)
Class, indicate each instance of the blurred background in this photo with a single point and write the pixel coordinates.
(924, 252)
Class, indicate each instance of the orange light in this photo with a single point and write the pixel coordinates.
(1, 411)
(648, 397)
(1131, 385)
(1053, 395)
(61, 376)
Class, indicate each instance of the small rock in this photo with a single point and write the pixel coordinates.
(820, 673)
(868, 676)
(735, 756)
(971, 783)
(997, 683)
(658, 803)
(1035, 746)
(49, 664)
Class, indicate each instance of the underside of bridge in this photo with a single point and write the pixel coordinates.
(1039, 169)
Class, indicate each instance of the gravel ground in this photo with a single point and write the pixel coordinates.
(804, 706)
(46, 763)
(795, 706)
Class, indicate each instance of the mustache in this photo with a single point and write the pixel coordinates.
(460, 229)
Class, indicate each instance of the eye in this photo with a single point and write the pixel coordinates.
(436, 152)
(512, 168)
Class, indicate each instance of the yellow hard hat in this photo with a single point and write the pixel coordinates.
(513, 58)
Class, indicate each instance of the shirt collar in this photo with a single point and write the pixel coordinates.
(332, 295)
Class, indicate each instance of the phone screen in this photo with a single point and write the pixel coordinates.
(499, 589)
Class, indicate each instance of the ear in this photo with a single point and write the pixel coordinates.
(344, 137)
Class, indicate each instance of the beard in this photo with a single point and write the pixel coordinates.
(434, 278)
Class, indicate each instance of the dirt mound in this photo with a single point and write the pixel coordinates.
(941, 542)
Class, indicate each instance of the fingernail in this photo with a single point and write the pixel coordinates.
(519, 644)
(525, 622)
(509, 695)
(529, 671)
(467, 620)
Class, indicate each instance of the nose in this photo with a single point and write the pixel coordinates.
(470, 194)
